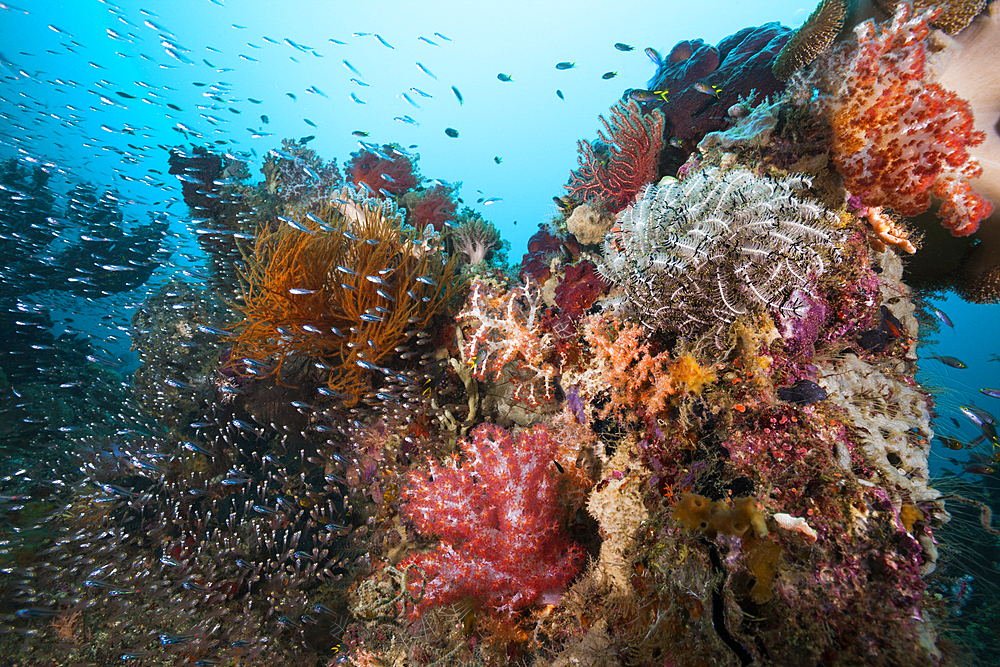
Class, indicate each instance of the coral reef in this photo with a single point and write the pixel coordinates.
(613, 168)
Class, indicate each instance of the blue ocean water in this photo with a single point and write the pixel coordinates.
(99, 92)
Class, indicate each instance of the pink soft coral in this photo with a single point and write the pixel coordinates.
(900, 138)
(613, 168)
(497, 513)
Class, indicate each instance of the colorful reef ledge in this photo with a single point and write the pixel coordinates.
(684, 431)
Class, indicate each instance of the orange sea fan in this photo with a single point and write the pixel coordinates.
(349, 291)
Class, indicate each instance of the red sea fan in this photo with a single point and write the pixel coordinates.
(899, 137)
(498, 515)
(613, 168)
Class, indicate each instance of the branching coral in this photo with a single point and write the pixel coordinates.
(348, 291)
(613, 168)
(497, 513)
(507, 330)
(899, 138)
(693, 256)
(634, 375)
(298, 176)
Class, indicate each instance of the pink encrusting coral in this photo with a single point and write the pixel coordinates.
(899, 137)
(613, 168)
(498, 516)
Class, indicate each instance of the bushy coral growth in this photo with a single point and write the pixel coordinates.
(635, 375)
(297, 175)
(348, 291)
(899, 137)
(506, 328)
(476, 239)
(384, 171)
(497, 514)
(434, 206)
(613, 168)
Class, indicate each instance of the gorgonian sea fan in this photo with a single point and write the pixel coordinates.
(693, 256)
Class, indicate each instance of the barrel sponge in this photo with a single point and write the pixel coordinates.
(712, 517)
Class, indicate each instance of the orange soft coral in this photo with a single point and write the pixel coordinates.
(634, 374)
(899, 138)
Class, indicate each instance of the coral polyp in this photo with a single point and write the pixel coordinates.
(693, 256)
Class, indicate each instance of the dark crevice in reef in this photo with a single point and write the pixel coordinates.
(719, 611)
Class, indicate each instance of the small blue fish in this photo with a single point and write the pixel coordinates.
(458, 95)
(654, 55)
(559, 94)
(565, 65)
(351, 67)
(426, 71)
(357, 99)
(424, 39)
(623, 47)
(941, 316)
(609, 75)
(506, 78)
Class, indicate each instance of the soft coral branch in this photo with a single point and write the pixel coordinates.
(497, 514)
(899, 137)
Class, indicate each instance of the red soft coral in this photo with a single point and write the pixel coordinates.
(433, 206)
(370, 169)
(613, 168)
(497, 513)
(900, 138)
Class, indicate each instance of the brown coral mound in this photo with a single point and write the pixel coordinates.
(955, 17)
(813, 38)
(346, 292)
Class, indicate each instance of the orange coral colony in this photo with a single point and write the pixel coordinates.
(347, 287)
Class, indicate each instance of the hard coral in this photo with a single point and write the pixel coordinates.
(741, 63)
(346, 292)
(498, 516)
(613, 168)
(899, 137)
(812, 38)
